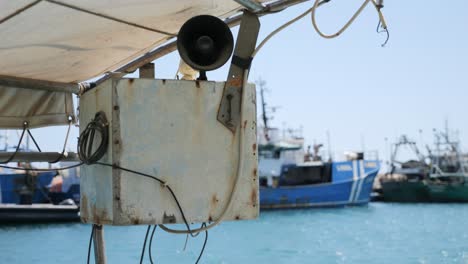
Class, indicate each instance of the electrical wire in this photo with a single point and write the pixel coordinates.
(25, 127)
(60, 157)
(90, 243)
(285, 25)
(204, 244)
(164, 185)
(312, 11)
(150, 244)
(377, 6)
(144, 245)
(34, 140)
(86, 140)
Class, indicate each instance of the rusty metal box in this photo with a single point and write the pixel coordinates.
(169, 129)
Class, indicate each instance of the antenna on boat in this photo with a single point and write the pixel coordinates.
(329, 146)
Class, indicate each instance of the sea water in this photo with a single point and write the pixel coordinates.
(377, 233)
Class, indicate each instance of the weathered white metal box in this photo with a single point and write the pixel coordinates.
(169, 129)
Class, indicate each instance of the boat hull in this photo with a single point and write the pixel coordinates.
(424, 192)
(355, 191)
(11, 185)
(447, 192)
(38, 213)
(404, 192)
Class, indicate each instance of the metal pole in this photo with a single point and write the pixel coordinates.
(17, 82)
(39, 156)
(99, 245)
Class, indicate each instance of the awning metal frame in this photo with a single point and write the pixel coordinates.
(8, 81)
(79, 88)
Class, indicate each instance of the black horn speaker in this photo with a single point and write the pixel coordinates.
(205, 42)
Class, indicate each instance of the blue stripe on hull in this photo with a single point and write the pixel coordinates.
(319, 195)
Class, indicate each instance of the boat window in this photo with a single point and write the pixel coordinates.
(266, 154)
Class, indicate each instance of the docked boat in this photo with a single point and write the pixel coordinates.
(314, 183)
(441, 176)
(405, 182)
(292, 178)
(38, 197)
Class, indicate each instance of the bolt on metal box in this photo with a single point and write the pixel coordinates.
(169, 129)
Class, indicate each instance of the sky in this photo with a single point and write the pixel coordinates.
(365, 95)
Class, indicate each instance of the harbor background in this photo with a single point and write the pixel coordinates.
(377, 233)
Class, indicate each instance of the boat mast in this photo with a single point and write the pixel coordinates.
(266, 128)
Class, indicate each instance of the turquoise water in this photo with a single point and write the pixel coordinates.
(378, 233)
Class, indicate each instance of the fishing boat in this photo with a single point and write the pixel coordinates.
(448, 176)
(291, 178)
(29, 196)
(440, 176)
(37, 197)
(405, 182)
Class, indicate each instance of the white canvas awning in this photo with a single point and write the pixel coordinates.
(65, 42)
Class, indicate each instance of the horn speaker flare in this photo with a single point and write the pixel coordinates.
(205, 42)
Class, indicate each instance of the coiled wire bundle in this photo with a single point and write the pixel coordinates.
(98, 128)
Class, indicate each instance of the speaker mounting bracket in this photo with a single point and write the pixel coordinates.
(230, 106)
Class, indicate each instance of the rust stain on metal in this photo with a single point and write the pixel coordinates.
(253, 196)
(214, 200)
(197, 83)
(99, 216)
(210, 219)
(84, 206)
(255, 171)
(130, 81)
(116, 141)
(237, 217)
(254, 147)
(213, 204)
(245, 124)
(236, 82)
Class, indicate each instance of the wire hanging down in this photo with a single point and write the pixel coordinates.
(90, 243)
(312, 11)
(25, 127)
(144, 245)
(150, 244)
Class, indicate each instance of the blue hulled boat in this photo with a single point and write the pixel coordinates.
(38, 197)
(317, 184)
(291, 178)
